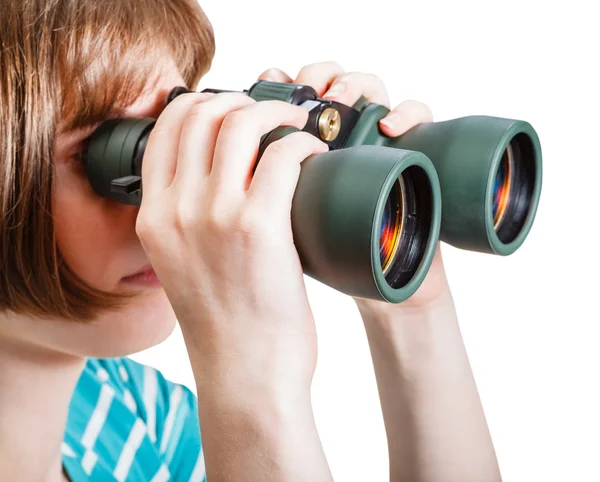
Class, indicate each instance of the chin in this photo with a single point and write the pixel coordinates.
(147, 321)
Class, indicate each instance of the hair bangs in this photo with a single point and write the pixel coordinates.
(102, 70)
(73, 63)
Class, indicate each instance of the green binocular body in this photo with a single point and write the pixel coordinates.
(367, 215)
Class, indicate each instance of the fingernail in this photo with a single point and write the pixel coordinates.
(392, 121)
(336, 89)
(268, 75)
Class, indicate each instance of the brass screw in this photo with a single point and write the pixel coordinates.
(329, 124)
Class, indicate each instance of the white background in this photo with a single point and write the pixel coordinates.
(530, 321)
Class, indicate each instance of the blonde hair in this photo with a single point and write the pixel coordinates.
(72, 61)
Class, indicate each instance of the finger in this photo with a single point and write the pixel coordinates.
(239, 138)
(275, 75)
(348, 88)
(319, 76)
(160, 157)
(277, 173)
(404, 117)
(199, 135)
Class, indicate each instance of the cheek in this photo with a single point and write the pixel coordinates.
(95, 235)
(98, 241)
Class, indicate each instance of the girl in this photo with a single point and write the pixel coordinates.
(86, 281)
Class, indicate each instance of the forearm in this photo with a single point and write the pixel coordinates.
(254, 426)
(259, 440)
(434, 420)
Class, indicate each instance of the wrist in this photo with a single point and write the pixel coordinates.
(417, 309)
(276, 375)
(272, 411)
(412, 331)
(270, 432)
(229, 384)
(257, 361)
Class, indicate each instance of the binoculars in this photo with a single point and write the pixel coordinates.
(367, 215)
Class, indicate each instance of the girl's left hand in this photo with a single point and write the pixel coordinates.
(331, 82)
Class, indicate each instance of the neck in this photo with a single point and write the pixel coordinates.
(36, 385)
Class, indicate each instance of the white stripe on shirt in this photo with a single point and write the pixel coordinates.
(174, 402)
(102, 375)
(98, 417)
(123, 373)
(199, 469)
(162, 475)
(67, 450)
(89, 461)
(150, 389)
(129, 401)
(136, 436)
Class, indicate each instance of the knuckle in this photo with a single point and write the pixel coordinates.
(305, 141)
(146, 226)
(165, 122)
(329, 65)
(294, 146)
(333, 65)
(280, 148)
(373, 77)
(185, 217)
(234, 120)
(199, 111)
(142, 228)
(299, 139)
(375, 80)
(272, 72)
(296, 114)
(233, 97)
(159, 131)
(248, 223)
(307, 69)
(214, 107)
(298, 111)
(182, 100)
(212, 222)
(216, 218)
(252, 227)
(281, 105)
(347, 76)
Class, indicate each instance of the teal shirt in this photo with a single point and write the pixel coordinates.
(127, 423)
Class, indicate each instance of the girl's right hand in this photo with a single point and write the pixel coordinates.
(220, 239)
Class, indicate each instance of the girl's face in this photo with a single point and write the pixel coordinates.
(98, 240)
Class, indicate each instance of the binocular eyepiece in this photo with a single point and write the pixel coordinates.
(367, 215)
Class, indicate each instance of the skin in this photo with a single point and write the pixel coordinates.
(435, 424)
(250, 337)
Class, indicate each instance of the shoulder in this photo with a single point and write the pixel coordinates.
(136, 402)
(143, 380)
(145, 390)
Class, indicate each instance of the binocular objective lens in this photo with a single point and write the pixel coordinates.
(514, 187)
(502, 185)
(391, 225)
(405, 226)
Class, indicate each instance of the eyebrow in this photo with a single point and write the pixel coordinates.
(83, 119)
